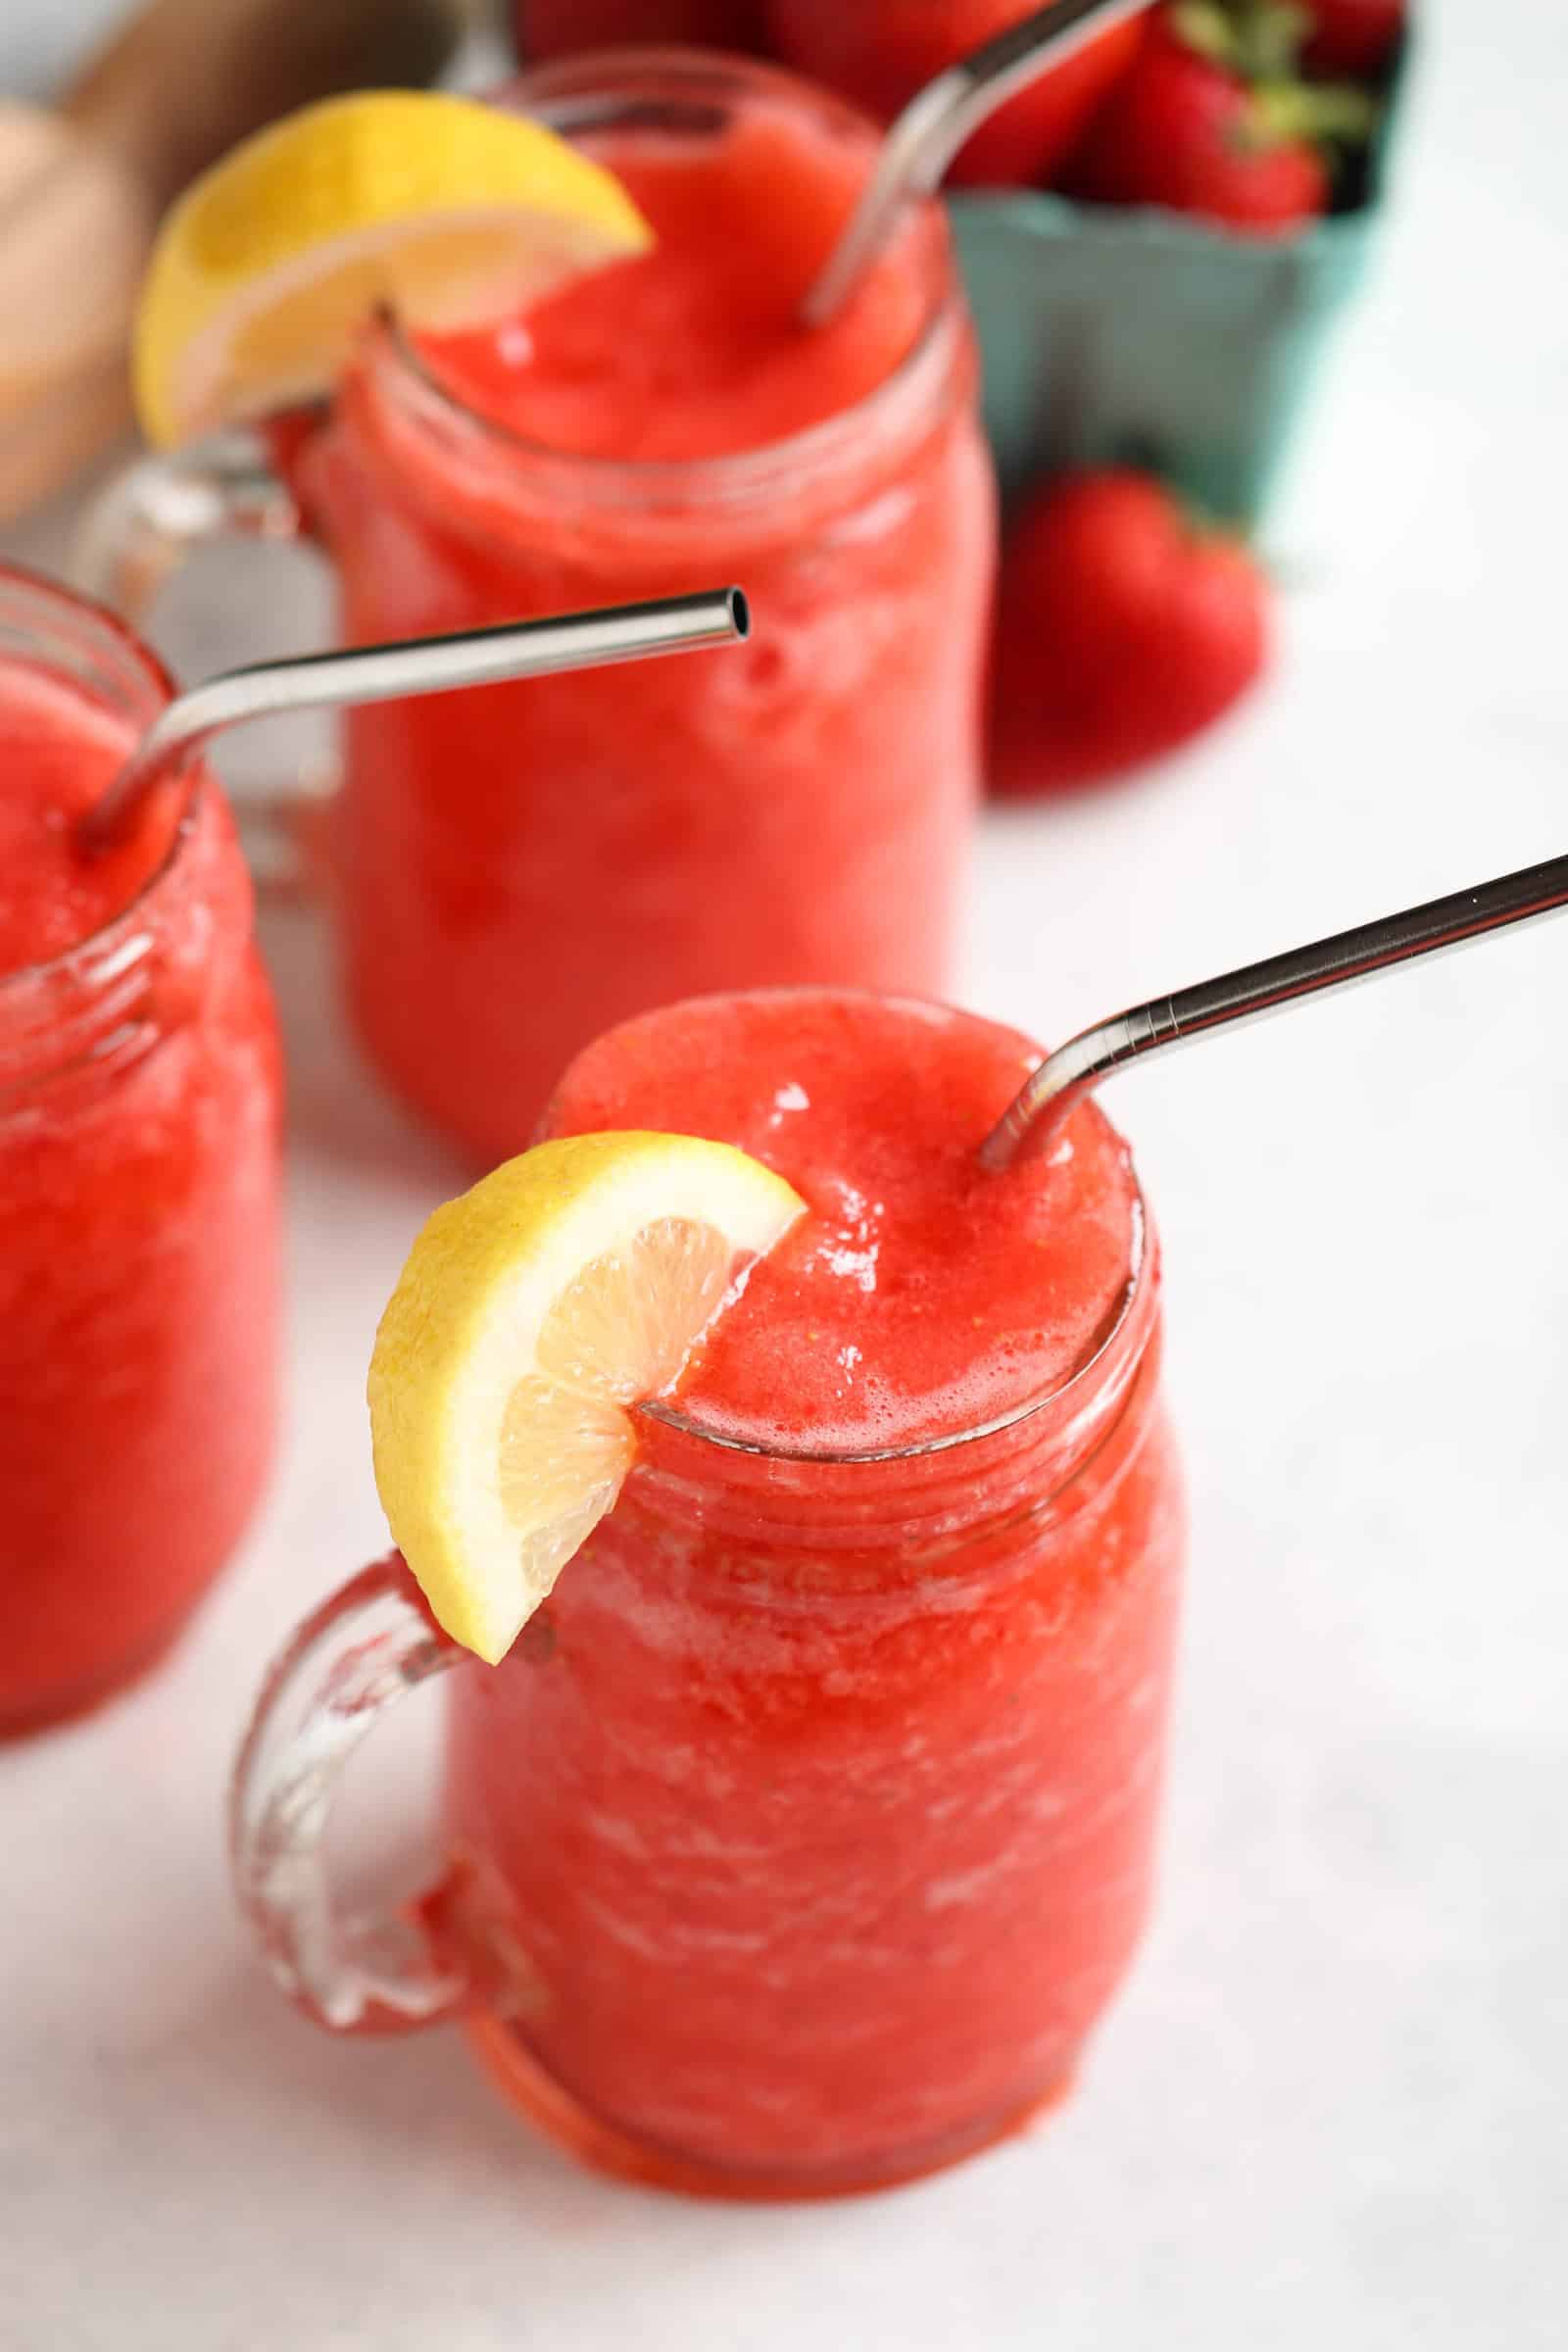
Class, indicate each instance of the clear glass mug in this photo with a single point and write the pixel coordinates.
(140, 1117)
(516, 872)
(807, 1829)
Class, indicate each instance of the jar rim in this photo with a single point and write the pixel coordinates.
(1135, 1306)
(742, 475)
(30, 601)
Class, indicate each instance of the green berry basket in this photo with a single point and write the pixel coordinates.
(1147, 337)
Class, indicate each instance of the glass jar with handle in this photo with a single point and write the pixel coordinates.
(803, 1835)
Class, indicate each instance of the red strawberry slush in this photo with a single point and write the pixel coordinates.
(138, 1202)
(809, 1827)
(522, 867)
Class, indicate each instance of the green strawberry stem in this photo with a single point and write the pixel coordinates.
(1259, 41)
(1328, 112)
(1262, 40)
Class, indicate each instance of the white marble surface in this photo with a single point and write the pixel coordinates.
(1331, 2109)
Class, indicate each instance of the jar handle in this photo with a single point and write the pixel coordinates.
(140, 529)
(139, 532)
(351, 1661)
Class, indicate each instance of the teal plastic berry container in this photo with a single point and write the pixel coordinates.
(1149, 337)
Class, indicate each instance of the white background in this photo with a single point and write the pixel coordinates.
(1330, 2110)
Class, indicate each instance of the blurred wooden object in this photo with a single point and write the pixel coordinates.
(73, 232)
(81, 188)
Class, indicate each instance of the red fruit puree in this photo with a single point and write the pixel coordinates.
(138, 1117)
(58, 751)
(696, 350)
(807, 1831)
(524, 867)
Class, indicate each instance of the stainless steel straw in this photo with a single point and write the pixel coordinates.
(1268, 987)
(381, 673)
(933, 126)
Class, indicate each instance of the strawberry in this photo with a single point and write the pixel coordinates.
(1356, 38)
(1123, 629)
(549, 28)
(1209, 122)
(879, 52)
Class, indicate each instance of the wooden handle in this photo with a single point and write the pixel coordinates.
(75, 226)
(188, 79)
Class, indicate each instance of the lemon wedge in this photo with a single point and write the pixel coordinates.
(451, 212)
(533, 1313)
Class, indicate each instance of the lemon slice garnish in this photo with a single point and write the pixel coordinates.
(450, 212)
(533, 1313)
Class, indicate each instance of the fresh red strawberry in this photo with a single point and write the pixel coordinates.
(1123, 629)
(1190, 132)
(879, 52)
(1356, 38)
(549, 28)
